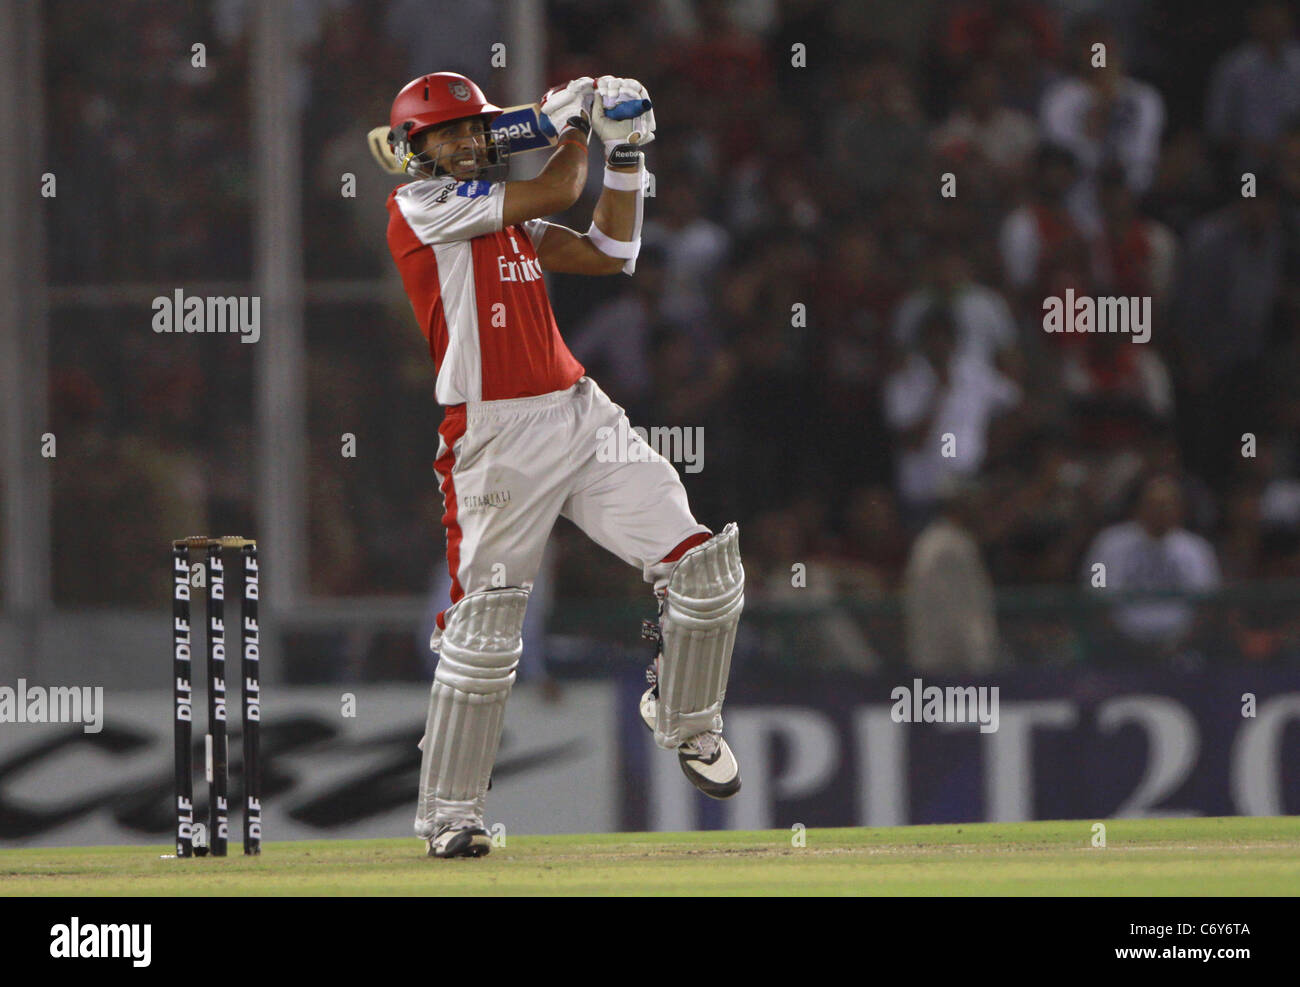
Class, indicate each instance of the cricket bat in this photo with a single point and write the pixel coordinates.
(526, 126)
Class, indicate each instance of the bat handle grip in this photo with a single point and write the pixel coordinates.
(629, 109)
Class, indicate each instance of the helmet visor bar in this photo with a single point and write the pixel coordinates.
(465, 157)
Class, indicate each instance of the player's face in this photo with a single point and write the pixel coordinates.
(459, 148)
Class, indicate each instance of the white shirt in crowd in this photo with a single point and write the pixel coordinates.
(1137, 562)
(948, 603)
(1007, 140)
(1132, 140)
(975, 395)
(981, 316)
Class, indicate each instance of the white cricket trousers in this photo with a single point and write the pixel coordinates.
(508, 469)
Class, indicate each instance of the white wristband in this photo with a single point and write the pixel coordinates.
(623, 181)
(625, 249)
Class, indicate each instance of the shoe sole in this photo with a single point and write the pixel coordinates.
(465, 845)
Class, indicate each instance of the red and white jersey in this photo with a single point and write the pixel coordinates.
(478, 292)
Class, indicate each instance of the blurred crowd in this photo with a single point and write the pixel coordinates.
(859, 210)
(844, 280)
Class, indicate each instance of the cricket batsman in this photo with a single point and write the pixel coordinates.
(523, 426)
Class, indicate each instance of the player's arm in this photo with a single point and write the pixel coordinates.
(561, 182)
(566, 251)
(558, 187)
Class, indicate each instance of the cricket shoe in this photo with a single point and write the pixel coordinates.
(707, 761)
(706, 758)
(459, 840)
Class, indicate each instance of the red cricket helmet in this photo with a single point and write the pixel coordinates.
(430, 100)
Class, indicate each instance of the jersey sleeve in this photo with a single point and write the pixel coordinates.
(441, 210)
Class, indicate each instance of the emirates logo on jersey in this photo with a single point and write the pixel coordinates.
(459, 90)
(523, 269)
(527, 269)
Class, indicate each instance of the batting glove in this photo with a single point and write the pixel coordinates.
(612, 91)
(573, 99)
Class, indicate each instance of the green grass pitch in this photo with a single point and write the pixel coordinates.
(1227, 856)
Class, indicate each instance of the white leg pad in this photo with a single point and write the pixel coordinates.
(478, 654)
(705, 595)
